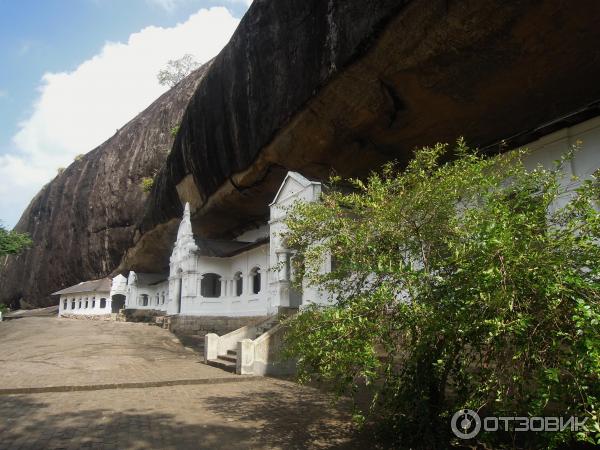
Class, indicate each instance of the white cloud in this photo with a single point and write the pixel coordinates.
(171, 5)
(76, 111)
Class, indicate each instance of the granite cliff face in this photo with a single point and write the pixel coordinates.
(317, 86)
(83, 220)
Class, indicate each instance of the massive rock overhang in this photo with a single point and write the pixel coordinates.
(417, 73)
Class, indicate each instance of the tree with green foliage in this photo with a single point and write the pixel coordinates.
(12, 242)
(462, 281)
(177, 70)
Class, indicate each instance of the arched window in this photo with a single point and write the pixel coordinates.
(79, 307)
(210, 286)
(157, 299)
(102, 303)
(255, 277)
(73, 304)
(65, 303)
(93, 304)
(162, 298)
(239, 284)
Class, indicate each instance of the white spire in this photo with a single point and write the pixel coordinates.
(185, 227)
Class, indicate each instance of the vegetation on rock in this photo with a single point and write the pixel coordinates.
(147, 183)
(466, 284)
(177, 70)
(12, 242)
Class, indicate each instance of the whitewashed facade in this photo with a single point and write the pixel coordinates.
(245, 277)
(250, 275)
(90, 298)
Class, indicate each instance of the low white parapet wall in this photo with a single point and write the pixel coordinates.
(215, 345)
(263, 356)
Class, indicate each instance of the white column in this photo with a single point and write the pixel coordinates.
(223, 287)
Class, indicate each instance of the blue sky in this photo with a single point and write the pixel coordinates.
(44, 47)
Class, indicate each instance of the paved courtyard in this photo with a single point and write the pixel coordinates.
(205, 408)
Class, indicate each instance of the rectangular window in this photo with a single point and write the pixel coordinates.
(65, 303)
(93, 304)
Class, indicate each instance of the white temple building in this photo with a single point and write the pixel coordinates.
(244, 277)
(250, 275)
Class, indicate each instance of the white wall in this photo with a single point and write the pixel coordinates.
(93, 300)
(551, 147)
(294, 189)
(228, 304)
(157, 294)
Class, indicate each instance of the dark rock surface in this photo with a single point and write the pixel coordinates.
(316, 86)
(83, 221)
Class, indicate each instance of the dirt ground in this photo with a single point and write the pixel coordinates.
(86, 358)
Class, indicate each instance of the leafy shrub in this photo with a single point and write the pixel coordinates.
(175, 130)
(147, 183)
(79, 157)
(456, 285)
(12, 242)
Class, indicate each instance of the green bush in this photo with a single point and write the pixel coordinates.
(456, 285)
(147, 183)
(175, 130)
(12, 242)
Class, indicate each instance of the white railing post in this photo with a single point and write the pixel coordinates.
(245, 357)
(211, 347)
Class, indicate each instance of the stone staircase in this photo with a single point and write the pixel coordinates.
(228, 361)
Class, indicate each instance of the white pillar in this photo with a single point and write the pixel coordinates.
(211, 346)
(245, 357)
(223, 287)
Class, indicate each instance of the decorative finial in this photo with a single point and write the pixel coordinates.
(185, 227)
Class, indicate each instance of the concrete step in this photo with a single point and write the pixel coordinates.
(222, 364)
(230, 358)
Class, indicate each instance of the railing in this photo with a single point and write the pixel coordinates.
(215, 345)
(262, 356)
(253, 305)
